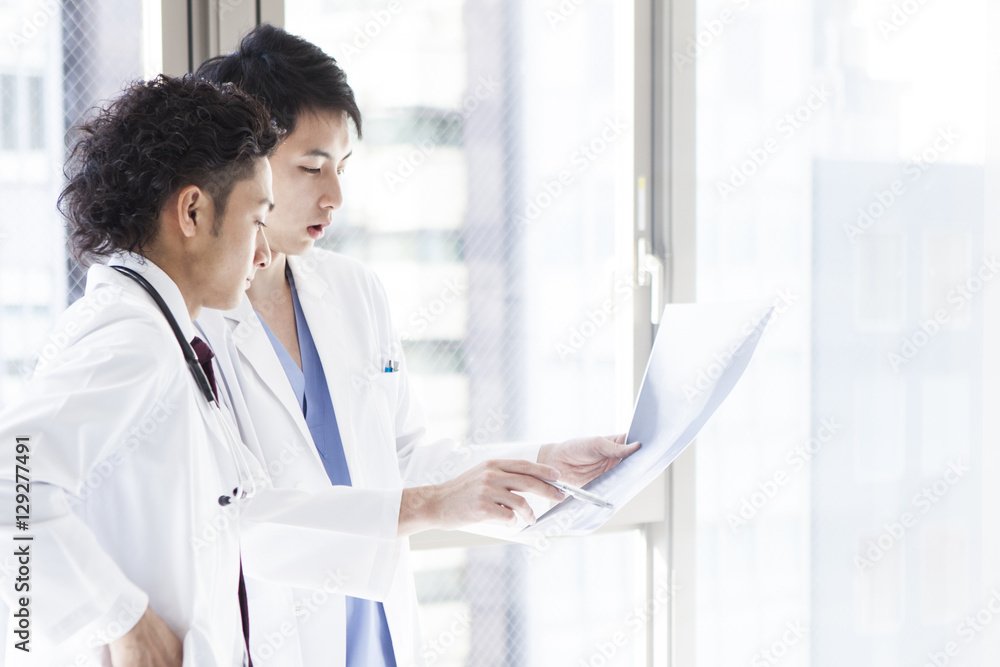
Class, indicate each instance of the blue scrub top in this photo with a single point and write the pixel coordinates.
(368, 640)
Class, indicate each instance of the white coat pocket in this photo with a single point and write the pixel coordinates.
(376, 428)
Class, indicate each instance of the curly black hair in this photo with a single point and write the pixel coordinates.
(287, 73)
(157, 137)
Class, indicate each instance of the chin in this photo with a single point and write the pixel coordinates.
(302, 248)
(295, 247)
(229, 301)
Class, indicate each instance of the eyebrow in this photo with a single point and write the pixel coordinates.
(316, 152)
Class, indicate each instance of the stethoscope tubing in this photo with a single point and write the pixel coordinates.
(201, 379)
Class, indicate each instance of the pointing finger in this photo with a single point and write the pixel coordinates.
(520, 467)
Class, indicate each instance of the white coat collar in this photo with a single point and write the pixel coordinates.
(324, 312)
(164, 284)
(254, 345)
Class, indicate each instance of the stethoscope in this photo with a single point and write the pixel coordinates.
(240, 493)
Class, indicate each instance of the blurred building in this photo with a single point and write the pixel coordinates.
(867, 216)
(57, 61)
(893, 310)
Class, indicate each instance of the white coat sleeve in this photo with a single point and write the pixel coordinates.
(342, 536)
(73, 415)
(313, 528)
(336, 537)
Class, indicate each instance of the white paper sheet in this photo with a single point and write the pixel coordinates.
(699, 354)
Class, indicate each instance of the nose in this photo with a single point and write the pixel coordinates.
(262, 251)
(332, 197)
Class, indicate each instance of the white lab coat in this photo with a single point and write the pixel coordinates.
(382, 428)
(126, 464)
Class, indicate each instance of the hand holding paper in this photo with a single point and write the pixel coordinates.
(700, 352)
(583, 459)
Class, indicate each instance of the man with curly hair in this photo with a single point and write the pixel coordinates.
(114, 456)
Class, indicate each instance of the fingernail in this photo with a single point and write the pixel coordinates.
(554, 474)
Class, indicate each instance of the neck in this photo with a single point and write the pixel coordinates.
(179, 273)
(270, 281)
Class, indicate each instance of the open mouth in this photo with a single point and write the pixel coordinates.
(316, 231)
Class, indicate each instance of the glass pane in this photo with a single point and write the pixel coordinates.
(8, 112)
(36, 113)
(59, 61)
(843, 515)
(521, 605)
(484, 195)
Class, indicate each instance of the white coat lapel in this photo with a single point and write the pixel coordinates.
(325, 313)
(255, 347)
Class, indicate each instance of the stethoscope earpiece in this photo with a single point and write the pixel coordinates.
(225, 500)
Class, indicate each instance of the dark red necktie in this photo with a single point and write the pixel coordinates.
(205, 356)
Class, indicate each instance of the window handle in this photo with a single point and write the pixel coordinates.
(650, 272)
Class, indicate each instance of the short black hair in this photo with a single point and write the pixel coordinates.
(287, 73)
(157, 137)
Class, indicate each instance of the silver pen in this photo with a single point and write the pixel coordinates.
(581, 494)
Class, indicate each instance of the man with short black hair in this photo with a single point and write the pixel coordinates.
(319, 366)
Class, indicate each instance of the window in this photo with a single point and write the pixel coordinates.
(83, 53)
(842, 505)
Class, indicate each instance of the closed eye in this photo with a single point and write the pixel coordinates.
(310, 170)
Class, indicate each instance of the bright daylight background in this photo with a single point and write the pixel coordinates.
(841, 171)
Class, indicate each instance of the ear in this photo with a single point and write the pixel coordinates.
(194, 210)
